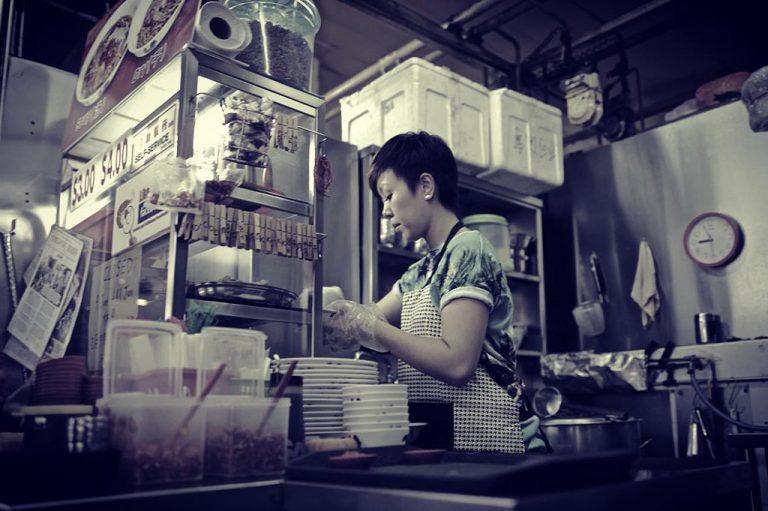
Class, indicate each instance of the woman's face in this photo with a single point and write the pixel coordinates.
(407, 210)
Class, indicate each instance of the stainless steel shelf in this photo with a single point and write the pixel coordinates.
(522, 276)
(255, 312)
(251, 199)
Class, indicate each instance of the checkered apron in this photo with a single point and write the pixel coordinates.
(485, 416)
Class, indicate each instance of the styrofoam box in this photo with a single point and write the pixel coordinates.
(526, 143)
(417, 95)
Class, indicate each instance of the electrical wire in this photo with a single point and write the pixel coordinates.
(711, 406)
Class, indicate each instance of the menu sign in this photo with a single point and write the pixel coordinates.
(130, 44)
(101, 172)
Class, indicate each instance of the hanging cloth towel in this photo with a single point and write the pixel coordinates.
(644, 290)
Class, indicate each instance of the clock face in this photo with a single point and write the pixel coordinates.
(712, 239)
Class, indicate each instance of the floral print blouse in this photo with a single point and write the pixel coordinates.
(468, 269)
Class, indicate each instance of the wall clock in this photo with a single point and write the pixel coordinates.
(713, 239)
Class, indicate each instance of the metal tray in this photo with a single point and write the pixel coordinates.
(248, 293)
(470, 473)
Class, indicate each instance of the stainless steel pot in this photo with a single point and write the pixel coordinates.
(591, 434)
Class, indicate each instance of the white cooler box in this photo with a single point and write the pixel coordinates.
(417, 95)
(526, 143)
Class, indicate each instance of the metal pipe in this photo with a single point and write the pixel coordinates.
(405, 18)
(6, 58)
(623, 20)
(372, 70)
(467, 14)
(497, 21)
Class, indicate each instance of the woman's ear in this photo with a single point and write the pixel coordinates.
(427, 186)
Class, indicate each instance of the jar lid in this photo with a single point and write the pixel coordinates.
(484, 219)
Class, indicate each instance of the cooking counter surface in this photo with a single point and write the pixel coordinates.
(651, 485)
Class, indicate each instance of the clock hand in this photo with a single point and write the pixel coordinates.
(707, 231)
(710, 240)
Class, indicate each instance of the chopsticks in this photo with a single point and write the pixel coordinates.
(192, 411)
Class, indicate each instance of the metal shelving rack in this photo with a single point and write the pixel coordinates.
(527, 288)
(186, 79)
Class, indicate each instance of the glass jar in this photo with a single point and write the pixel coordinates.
(283, 37)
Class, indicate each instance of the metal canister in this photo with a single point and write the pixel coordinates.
(707, 327)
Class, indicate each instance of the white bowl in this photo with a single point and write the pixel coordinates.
(380, 437)
(375, 410)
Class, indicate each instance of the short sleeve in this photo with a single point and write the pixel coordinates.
(412, 278)
(469, 269)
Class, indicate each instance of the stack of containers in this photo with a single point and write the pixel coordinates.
(377, 415)
(500, 136)
(242, 436)
(526, 143)
(417, 95)
(142, 389)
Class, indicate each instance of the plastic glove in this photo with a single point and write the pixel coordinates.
(350, 324)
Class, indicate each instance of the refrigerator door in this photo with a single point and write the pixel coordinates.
(341, 223)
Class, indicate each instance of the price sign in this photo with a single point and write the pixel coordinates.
(101, 172)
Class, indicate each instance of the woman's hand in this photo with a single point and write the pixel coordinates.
(350, 324)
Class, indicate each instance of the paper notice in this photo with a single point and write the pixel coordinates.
(62, 333)
(113, 293)
(45, 298)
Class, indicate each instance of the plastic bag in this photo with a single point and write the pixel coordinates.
(177, 185)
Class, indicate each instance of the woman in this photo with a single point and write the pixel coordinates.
(453, 307)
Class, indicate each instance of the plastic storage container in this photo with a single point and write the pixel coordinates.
(234, 446)
(526, 143)
(417, 95)
(243, 351)
(496, 229)
(283, 37)
(142, 356)
(155, 447)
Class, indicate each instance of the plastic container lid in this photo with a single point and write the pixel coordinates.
(142, 356)
(484, 219)
(243, 351)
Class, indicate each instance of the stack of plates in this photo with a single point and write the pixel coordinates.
(377, 415)
(323, 380)
(59, 381)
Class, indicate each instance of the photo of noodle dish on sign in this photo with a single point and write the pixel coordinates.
(153, 20)
(105, 55)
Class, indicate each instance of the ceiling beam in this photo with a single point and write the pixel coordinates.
(418, 25)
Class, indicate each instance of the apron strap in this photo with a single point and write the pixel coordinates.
(433, 264)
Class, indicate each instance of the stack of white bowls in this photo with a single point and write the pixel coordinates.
(324, 378)
(377, 415)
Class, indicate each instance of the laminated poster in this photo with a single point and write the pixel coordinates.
(46, 296)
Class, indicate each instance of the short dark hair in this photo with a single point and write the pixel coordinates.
(409, 155)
